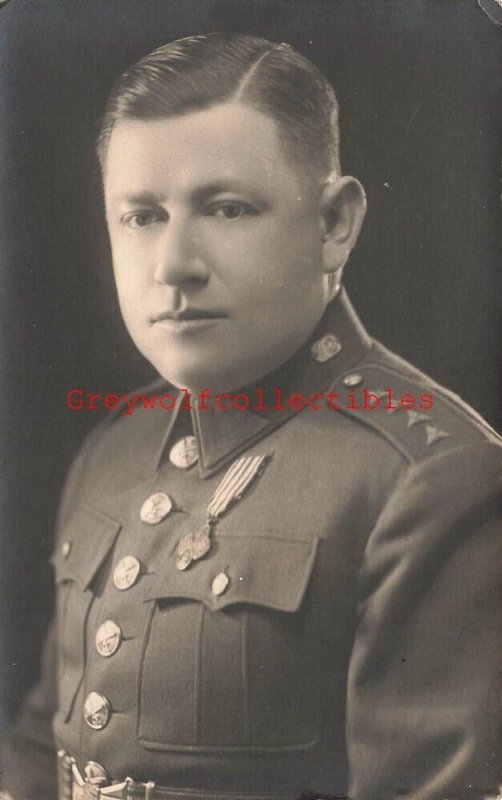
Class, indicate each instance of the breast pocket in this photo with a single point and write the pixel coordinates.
(230, 650)
(82, 548)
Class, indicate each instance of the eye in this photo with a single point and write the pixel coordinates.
(231, 210)
(140, 219)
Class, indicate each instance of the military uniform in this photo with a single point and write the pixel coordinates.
(338, 636)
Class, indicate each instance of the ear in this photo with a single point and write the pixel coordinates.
(342, 208)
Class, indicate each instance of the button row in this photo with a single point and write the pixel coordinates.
(183, 454)
(97, 710)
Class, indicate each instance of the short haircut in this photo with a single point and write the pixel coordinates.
(202, 71)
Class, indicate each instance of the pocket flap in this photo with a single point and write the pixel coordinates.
(84, 543)
(264, 571)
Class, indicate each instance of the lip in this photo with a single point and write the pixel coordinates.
(190, 319)
(188, 314)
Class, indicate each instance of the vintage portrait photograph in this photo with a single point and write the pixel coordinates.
(251, 504)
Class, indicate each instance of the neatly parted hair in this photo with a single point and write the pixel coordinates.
(201, 71)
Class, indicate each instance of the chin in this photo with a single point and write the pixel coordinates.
(195, 381)
(182, 378)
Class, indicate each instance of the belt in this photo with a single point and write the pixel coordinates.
(73, 786)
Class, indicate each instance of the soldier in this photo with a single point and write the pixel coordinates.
(261, 604)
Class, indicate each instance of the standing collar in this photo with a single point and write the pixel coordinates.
(222, 435)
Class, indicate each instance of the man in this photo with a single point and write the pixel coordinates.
(274, 599)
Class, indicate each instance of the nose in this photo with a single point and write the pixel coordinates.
(179, 258)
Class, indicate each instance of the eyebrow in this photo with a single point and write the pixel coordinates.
(139, 198)
(218, 187)
(198, 195)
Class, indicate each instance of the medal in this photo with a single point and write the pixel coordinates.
(202, 542)
(230, 490)
(183, 561)
(193, 546)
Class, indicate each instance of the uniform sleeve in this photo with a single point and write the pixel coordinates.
(28, 761)
(424, 675)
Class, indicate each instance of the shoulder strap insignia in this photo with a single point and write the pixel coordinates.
(420, 418)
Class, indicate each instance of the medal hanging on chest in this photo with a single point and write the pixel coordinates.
(230, 490)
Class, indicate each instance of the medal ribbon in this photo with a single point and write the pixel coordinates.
(234, 483)
(231, 488)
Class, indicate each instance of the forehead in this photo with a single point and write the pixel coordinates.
(225, 143)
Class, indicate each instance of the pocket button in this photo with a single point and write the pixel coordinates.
(220, 584)
(65, 549)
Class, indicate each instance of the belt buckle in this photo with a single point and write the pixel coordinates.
(81, 788)
(85, 792)
(129, 790)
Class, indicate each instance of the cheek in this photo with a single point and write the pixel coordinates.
(282, 275)
(292, 250)
(130, 296)
(276, 253)
(130, 274)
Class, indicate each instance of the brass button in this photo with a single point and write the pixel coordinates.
(126, 572)
(156, 508)
(220, 584)
(326, 347)
(108, 638)
(96, 711)
(184, 453)
(352, 380)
